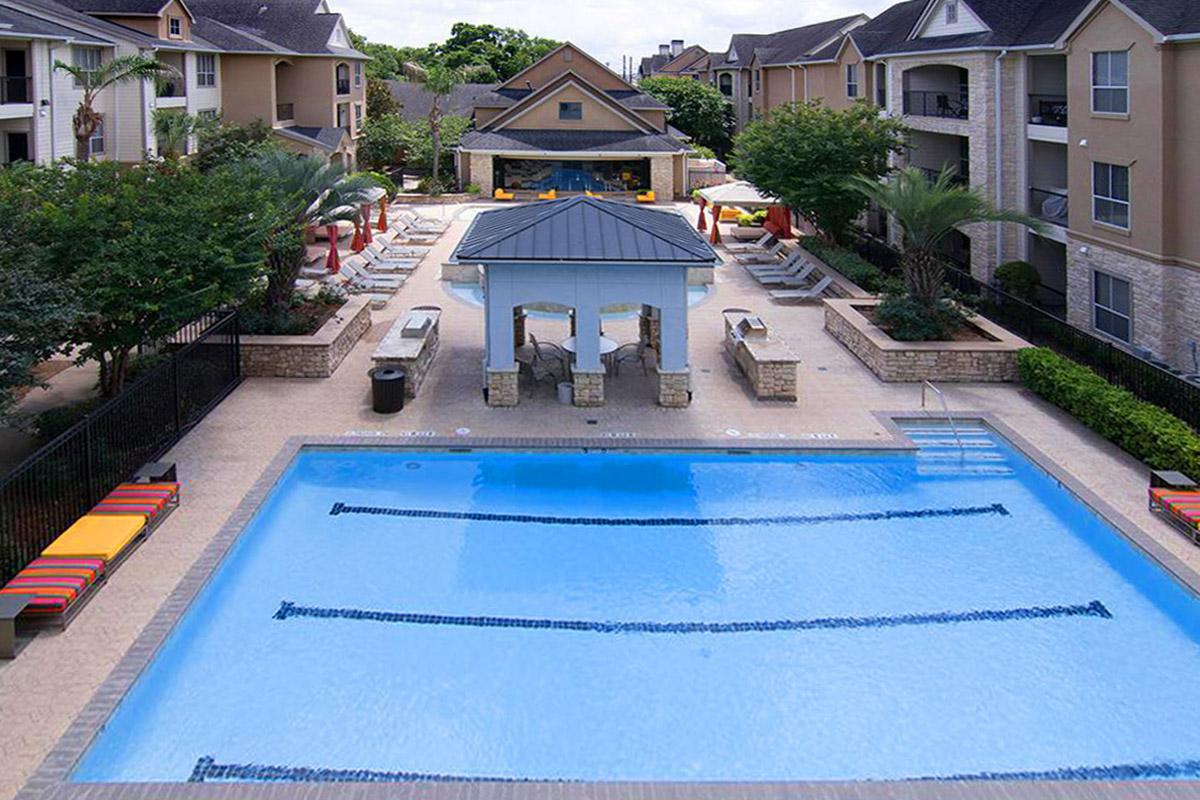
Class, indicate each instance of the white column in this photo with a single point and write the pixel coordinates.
(587, 336)
(498, 317)
(674, 335)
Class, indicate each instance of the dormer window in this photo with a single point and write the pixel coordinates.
(951, 12)
(175, 27)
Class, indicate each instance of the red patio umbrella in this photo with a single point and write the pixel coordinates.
(702, 225)
(332, 262)
(383, 223)
(716, 230)
(356, 244)
(366, 215)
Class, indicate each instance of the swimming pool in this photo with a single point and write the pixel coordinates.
(492, 615)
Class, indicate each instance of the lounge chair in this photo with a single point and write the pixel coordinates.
(791, 264)
(549, 195)
(646, 197)
(590, 193)
(419, 222)
(800, 295)
(503, 196)
(795, 280)
(1180, 507)
(760, 243)
(409, 232)
(359, 279)
(772, 256)
(380, 261)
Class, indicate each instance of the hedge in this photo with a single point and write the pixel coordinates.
(1145, 431)
(853, 266)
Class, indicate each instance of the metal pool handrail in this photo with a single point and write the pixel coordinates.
(945, 409)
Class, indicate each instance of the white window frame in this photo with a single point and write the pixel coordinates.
(1108, 86)
(77, 59)
(757, 87)
(175, 27)
(358, 73)
(206, 78)
(852, 81)
(96, 143)
(358, 116)
(951, 12)
(1110, 198)
(1097, 307)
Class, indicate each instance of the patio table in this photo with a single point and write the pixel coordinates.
(607, 348)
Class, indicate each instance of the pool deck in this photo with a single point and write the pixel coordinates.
(229, 461)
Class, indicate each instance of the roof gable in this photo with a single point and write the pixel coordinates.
(567, 53)
(583, 229)
(935, 22)
(547, 92)
(1164, 19)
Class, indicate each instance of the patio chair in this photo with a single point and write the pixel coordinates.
(415, 220)
(544, 351)
(789, 264)
(549, 195)
(635, 352)
(503, 196)
(360, 279)
(772, 256)
(646, 197)
(748, 247)
(800, 295)
(791, 281)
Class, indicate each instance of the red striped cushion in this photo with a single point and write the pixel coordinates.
(54, 582)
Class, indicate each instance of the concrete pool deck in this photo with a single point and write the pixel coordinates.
(56, 675)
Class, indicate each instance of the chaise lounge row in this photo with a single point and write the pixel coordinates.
(54, 587)
(1179, 504)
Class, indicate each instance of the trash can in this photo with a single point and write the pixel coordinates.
(387, 390)
(566, 393)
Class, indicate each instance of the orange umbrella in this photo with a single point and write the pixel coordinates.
(366, 215)
(332, 262)
(383, 223)
(702, 225)
(716, 231)
(357, 243)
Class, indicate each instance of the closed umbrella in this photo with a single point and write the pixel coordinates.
(332, 262)
(383, 222)
(702, 225)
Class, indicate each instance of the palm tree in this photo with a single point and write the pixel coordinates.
(172, 129)
(307, 191)
(93, 81)
(439, 80)
(927, 212)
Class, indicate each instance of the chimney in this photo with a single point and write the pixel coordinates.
(664, 49)
(676, 46)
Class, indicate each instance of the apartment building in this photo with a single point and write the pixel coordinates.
(571, 124)
(1084, 113)
(288, 63)
(675, 61)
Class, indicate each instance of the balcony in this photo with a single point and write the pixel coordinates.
(285, 112)
(926, 103)
(960, 178)
(1049, 205)
(1048, 118)
(16, 96)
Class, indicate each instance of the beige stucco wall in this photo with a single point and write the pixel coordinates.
(247, 88)
(662, 177)
(157, 26)
(596, 115)
(568, 58)
(1181, 129)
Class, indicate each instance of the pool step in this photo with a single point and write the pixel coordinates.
(974, 452)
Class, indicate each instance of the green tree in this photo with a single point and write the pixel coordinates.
(230, 143)
(927, 212)
(305, 191)
(172, 129)
(697, 109)
(806, 153)
(384, 142)
(387, 61)
(504, 51)
(380, 101)
(93, 81)
(439, 80)
(145, 250)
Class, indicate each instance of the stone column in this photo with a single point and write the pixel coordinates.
(502, 387)
(481, 172)
(589, 387)
(674, 388)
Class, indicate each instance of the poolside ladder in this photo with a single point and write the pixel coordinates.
(926, 386)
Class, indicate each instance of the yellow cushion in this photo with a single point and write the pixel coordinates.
(97, 536)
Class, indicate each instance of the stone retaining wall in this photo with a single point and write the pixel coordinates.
(314, 356)
(967, 362)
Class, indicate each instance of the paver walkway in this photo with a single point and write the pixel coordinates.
(43, 689)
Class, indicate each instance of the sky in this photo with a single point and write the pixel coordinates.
(607, 29)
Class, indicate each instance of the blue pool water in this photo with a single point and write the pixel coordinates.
(701, 616)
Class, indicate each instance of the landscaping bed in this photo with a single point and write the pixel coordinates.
(303, 318)
(314, 355)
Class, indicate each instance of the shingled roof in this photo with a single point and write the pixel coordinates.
(571, 141)
(17, 23)
(791, 46)
(583, 229)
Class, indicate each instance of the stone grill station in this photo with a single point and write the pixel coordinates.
(585, 253)
(767, 361)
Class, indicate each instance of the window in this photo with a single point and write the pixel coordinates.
(951, 12)
(852, 80)
(725, 83)
(87, 59)
(206, 69)
(758, 80)
(358, 116)
(570, 111)
(208, 114)
(174, 27)
(881, 85)
(1110, 194)
(1110, 82)
(96, 142)
(343, 115)
(342, 74)
(1113, 306)
(358, 73)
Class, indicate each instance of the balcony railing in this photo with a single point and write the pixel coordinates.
(1048, 205)
(343, 86)
(16, 89)
(960, 178)
(171, 88)
(948, 105)
(1046, 109)
(284, 111)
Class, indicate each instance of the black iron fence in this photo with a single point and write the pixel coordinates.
(1048, 109)
(936, 104)
(1044, 328)
(64, 479)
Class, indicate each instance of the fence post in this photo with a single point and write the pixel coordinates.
(175, 391)
(89, 456)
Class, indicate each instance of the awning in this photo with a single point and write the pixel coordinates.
(738, 193)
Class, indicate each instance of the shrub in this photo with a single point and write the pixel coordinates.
(48, 425)
(907, 319)
(1020, 279)
(853, 266)
(473, 188)
(1145, 431)
(382, 181)
(746, 220)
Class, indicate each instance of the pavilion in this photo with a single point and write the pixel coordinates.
(743, 194)
(585, 253)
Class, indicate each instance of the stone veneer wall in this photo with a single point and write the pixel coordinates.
(315, 356)
(589, 388)
(892, 361)
(771, 380)
(503, 387)
(674, 389)
(416, 370)
(481, 173)
(1166, 299)
(662, 177)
